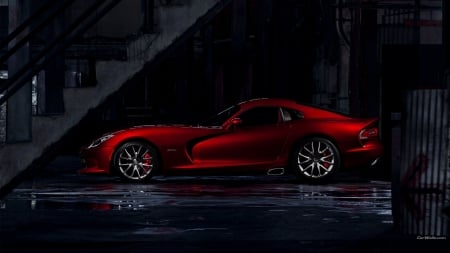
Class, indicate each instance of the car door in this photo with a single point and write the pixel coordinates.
(258, 138)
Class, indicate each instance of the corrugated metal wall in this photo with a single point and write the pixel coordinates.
(424, 163)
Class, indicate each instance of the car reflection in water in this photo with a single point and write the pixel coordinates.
(74, 208)
(242, 191)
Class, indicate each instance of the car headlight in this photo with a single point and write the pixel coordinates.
(100, 140)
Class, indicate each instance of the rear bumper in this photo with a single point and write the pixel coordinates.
(375, 162)
(368, 155)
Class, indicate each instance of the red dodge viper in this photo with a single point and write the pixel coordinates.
(271, 136)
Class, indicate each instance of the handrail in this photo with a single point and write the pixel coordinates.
(50, 46)
(56, 46)
(25, 24)
(28, 37)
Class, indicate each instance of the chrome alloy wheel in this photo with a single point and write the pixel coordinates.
(135, 161)
(317, 158)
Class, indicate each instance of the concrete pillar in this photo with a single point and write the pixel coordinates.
(210, 86)
(416, 36)
(183, 81)
(370, 83)
(280, 48)
(343, 100)
(50, 95)
(239, 83)
(262, 61)
(18, 126)
(355, 64)
(3, 72)
(3, 20)
(52, 80)
(149, 16)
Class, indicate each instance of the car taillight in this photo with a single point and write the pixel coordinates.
(368, 133)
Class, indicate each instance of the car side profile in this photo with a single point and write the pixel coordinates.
(270, 136)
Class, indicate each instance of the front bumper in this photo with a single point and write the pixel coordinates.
(96, 160)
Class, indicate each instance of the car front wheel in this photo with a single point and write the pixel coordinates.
(135, 161)
(316, 159)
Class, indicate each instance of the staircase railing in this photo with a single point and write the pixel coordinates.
(62, 41)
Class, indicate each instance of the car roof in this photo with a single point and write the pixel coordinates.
(268, 102)
(310, 111)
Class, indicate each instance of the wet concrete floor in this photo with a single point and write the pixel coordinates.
(61, 211)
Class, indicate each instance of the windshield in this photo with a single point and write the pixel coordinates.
(221, 117)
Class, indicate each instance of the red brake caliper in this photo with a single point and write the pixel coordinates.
(147, 162)
(326, 164)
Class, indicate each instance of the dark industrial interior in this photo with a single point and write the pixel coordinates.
(71, 70)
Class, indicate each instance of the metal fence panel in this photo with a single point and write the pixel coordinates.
(424, 163)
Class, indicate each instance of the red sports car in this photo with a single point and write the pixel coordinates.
(270, 136)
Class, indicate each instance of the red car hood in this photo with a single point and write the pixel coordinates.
(166, 134)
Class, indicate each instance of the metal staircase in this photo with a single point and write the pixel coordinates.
(175, 23)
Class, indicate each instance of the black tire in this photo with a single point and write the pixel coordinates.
(316, 160)
(135, 161)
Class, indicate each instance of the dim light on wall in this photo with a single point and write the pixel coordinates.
(3, 74)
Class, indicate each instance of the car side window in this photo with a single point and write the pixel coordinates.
(290, 114)
(260, 116)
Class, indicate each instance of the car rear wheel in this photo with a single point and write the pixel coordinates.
(316, 159)
(135, 161)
